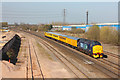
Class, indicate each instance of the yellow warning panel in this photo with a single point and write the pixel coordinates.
(97, 49)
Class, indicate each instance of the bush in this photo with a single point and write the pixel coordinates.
(119, 37)
(77, 31)
(73, 31)
(109, 35)
(4, 24)
(93, 33)
(45, 27)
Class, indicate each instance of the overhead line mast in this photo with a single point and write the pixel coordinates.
(87, 18)
(64, 17)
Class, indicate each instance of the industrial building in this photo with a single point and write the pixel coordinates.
(85, 27)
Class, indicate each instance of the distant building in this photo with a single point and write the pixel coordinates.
(86, 27)
(55, 27)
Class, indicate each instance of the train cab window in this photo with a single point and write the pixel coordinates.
(85, 46)
(81, 45)
(97, 43)
(90, 45)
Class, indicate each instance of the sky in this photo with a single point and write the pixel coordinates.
(48, 12)
(59, 0)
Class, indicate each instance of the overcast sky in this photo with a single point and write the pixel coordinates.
(48, 12)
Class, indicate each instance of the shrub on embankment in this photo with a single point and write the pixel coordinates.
(93, 33)
(73, 31)
(106, 34)
(109, 35)
(44, 27)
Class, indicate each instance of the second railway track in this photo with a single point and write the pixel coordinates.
(40, 73)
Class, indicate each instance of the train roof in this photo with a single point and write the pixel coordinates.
(86, 40)
(75, 38)
(90, 41)
(54, 33)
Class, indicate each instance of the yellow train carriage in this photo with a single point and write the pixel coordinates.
(62, 38)
(48, 34)
(72, 41)
(52, 35)
(55, 36)
(45, 33)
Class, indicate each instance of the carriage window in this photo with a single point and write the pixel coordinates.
(55, 36)
(62, 38)
(50, 34)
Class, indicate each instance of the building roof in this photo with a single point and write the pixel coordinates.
(107, 24)
(57, 26)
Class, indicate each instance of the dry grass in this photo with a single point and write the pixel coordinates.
(44, 51)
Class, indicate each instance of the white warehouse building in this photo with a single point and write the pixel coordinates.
(86, 27)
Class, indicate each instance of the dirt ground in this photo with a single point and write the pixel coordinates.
(51, 67)
(3, 41)
(8, 69)
(8, 35)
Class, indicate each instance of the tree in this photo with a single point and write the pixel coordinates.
(93, 33)
(4, 24)
(16, 24)
(109, 35)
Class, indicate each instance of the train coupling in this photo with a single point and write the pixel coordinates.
(105, 56)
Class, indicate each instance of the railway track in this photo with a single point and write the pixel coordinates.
(66, 59)
(33, 77)
(111, 54)
(31, 62)
(54, 51)
(114, 65)
(97, 62)
(40, 69)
